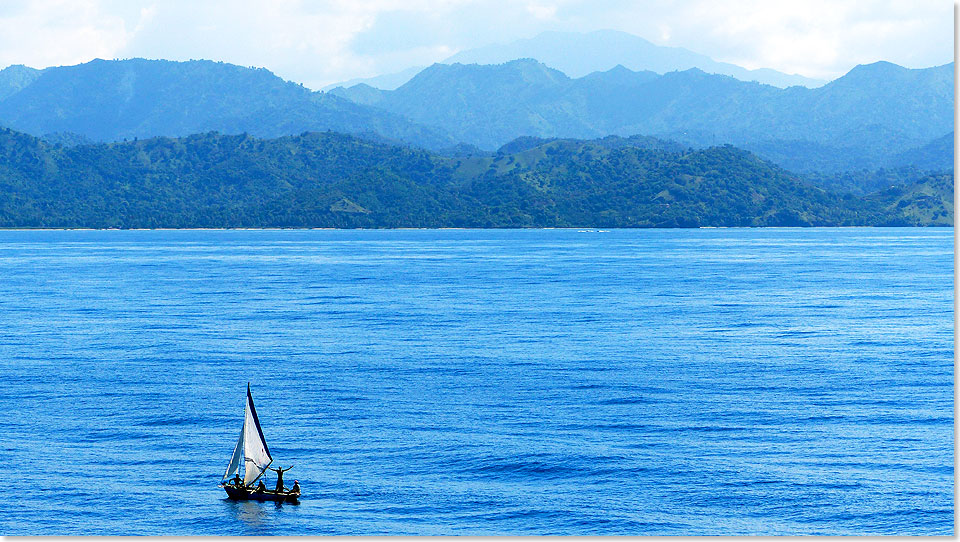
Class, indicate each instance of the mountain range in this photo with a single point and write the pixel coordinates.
(106, 100)
(862, 119)
(577, 54)
(877, 115)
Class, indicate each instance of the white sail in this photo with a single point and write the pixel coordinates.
(235, 460)
(256, 455)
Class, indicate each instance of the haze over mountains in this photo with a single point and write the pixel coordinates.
(107, 100)
(872, 117)
(580, 53)
(860, 120)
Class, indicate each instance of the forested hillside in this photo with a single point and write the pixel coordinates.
(335, 180)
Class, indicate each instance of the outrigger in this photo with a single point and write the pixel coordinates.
(252, 447)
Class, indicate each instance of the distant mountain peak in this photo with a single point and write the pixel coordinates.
(15, 78)
(881, 66)
(577, 54)
(619, 75)
(18, 68)
(527, 70)
(109, 100)
(525, 62)
(388, 81)
(847, 123)
(882, 74)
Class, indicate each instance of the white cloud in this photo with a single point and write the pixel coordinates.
(58, 32)
(542, 11)
(817, 38)
(323, 42)
(307, 42)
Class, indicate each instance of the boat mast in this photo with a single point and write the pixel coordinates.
(234, 465)
(255, 448)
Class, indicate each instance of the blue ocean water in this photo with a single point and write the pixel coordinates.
(724, 381)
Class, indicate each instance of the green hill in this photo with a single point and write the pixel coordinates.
(928, 202)
(336, 180)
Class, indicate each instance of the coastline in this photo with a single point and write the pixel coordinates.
(605, 228)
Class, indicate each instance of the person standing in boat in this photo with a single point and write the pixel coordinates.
(280, 472)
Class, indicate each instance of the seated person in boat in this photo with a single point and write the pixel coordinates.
(296, 487)
(237, 481)
(260, 487)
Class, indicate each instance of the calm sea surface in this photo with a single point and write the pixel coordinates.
(726, 381)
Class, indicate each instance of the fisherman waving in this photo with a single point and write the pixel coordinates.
(280, 471)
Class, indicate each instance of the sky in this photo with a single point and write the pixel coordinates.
(321, 42)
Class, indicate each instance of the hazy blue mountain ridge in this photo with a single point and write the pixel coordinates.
(578, 54)
(360, 93)
(876, 115)
(488, 105)
(907, 103)
(387, 81)
(936, 155)
(15, 78)
(113, 100)
(858, 120)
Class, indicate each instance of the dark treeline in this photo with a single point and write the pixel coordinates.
(335, 180)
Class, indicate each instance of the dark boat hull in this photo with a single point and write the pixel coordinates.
(244, 494)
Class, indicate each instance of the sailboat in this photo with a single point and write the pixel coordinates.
(252, 448)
